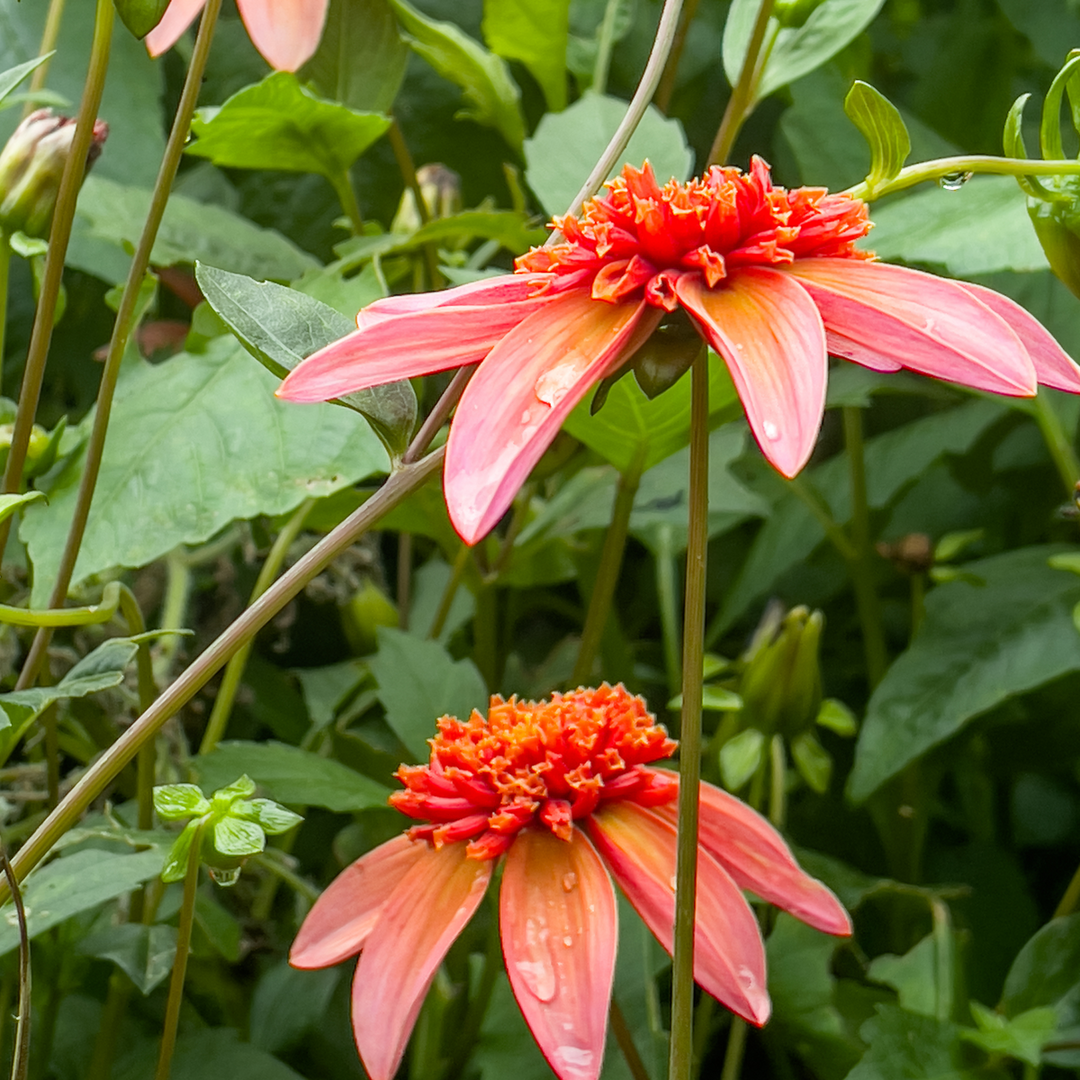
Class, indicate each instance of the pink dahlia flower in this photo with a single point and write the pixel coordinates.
(770, 278)
(286, 32)
(563, 792)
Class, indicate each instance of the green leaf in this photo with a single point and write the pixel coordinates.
(75, 883)
(914, 975)
(492, 95)
(226, 795)
(10, 503)
(813, 761)
(144, 953)
(238, 838)
(1022, 1037)
(565, 146)
(882, 127)
(1046, 970)
(280, 327)
(361, 58)
(176, 862)
(720, 700)
(837, 717)
(534, 32)
(419, 682)
(205, 1053)
(13, 76)
(288, 1003)
(277, 124)
(905, 1046)
(796, 50)
(978, 645)
(270, 816)
(176, 801)
(740, 758)
(194, 443)
(291, 775)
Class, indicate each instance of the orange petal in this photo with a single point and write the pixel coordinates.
(519, 397)
(418, 923)
(559, 927)
(729, 959)
(874, 312)
(286, 32)
(339, 923)
(770, 335)
(177, 18)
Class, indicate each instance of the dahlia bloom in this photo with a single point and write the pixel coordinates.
(286, 32)
(770, 278)
(562, 791)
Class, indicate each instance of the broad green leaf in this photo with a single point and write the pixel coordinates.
(144, 953)
(280, 327)
(978, 645)
(492, 95)
(505, 1048)
(419, 682)
(1047, 968)
(195, 443)
(291, 775)
(979, 229)
(882, 127)
(905, 1046)
(1050, 26)
(13, 76)
(565, 146)
(534, 32)
(796, 51)
(277, 124)
(361, 58)
(75, 883)
(205, 1053)
(287, 1003)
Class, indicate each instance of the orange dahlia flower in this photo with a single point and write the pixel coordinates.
(563, 791)
(770, 278)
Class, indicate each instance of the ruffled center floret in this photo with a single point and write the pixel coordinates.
(638, 237)
(546, 762)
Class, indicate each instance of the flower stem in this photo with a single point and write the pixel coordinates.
(438, 415)
(49, 37)
(20, 1061)
(1057, 442)
(741, 101)
(666, 575)
(605, 43)
(671, 68)
(625, 1038)
(681, 1060)
(59, 235)
(407, 168)
(733, 1054)
(836, 535)
(183, 945)
(122, 328)
(343, 188)
(446, 602)
(102, 772)
(5, 267)
(607, 577)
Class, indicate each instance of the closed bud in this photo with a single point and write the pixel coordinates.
(441, 189)
(1057, 225)
(31, 166)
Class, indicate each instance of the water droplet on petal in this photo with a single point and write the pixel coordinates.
(568, 941)
(572, 1061)
(771, 430)
(954, 181)
(225, 878)
(552, 386)
(538, 976)
(674, 882)
(746, 977)
(569, 881)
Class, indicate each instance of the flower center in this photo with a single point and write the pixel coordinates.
(547, 762)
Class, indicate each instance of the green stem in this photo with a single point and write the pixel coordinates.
(1057, 442)
(5, 267)
(123, 327)
(741, 101)
(145, 763)
(446, 602)
(49, 38)
(478, 1006)
(59, 235)
(21, 1054)
(282, 873)
(836, 535)
(407, 168)
(234, 671)
(777, 782)
(112, 1015)
(671, 68)
(105, 769)
(183, 945)
(404, 578)
(1071, 897)
(625, 1038)
(178, 582)
(666, 587)
(736, 1045)
(604, 45)
(607, 577)
(343, 188)
(681, 1060)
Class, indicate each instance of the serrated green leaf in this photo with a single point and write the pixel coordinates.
(882, 127)
(175, 801)
(534, 32)
(740, 758)
(238, 838)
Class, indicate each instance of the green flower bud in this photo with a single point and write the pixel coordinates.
(31, 165)
(441, 189)
(1057, 225)
(794, 13)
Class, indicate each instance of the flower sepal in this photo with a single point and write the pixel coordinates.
(140, 16)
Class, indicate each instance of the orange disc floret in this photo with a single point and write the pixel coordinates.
(638, 233)
(544, 762)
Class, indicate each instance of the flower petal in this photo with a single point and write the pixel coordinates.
(729, 959)
(177, 18)
(756, 857)
(925, 323)
(1053, 365)
(559, 927)
(418, 923)
(286, 32)
(770, 335)
(342, 918)
(517, 400)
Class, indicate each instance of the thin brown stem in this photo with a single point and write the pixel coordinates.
(438, 415)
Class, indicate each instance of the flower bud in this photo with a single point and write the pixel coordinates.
(31, 165)
(441, 189)
(1057, 225)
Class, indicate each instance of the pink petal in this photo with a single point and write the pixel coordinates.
(286, 32)
(342, 918)
(756, 857)
(559, 928)
(770, 335)
(1053, 365)
(510, 288)
(729, 959)
(873, 311)
(417, 925)
(177, 18)
(519, 397)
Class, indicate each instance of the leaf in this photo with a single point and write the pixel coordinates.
(287, 1004)
(291, 775)
(277, 124)
(75, 883)
(173, 802)
(740, 758)
(978, 645)
(493, 96)
(10, 503)
(195, 443)
(237, 838)
(14, 75)
(883, 128)
(904, 1046)
(270, 816)
(534, 32)
(813, 761)
(1022, 1037)
(205, 1053)
(280, 327)
(914, 975)
(1046, 970)
(566, 145)
(176, 861)
(796, 50)
(144, 953)
(837, 717)
(419, 682)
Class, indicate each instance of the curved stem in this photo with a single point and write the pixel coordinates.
(123, 326)
(681, 1059)
(836, 535)
(407, 168)
(671, 68)
(446, 601)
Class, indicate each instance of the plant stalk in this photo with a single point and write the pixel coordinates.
(1057, 442)
(5, 268)
(666, 590)
(671, 68)
(625, 1038)
(49, 37)
(20, 1061)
